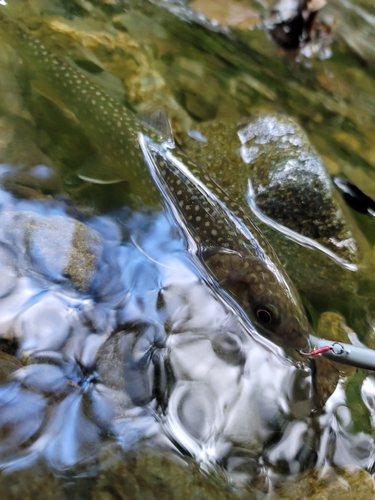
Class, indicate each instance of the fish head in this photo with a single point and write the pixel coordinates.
(267, 296)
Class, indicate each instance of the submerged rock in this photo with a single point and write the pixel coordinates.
(58, 247)
(327, 484)
(31, 484)
(291, 184)
(151, 475)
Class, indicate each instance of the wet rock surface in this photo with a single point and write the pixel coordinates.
(58, 247)
(328, 484)
(291, 183)
(148, 474)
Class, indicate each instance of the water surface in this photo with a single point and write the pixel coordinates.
(119, 360)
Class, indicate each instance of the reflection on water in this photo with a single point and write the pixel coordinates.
(111, 337)
(146, 353)
(134, 355)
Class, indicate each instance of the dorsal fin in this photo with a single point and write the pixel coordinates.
(158, 121)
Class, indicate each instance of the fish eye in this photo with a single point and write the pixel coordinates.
(265, 315)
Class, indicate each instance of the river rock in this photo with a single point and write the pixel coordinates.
(151, 475)
(291, 183)
(327, 484)
(58, 247)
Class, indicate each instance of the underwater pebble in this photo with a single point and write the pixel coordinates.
(59, 247)
(229, 348)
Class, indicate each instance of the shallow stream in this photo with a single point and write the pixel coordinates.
(124, 371)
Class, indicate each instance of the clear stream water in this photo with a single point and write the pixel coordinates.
(123, 374)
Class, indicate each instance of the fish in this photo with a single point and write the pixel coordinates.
(109, 124)
(227, 243)
(230, 245)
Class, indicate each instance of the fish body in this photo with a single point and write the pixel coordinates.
(229, 245)
(111, 126)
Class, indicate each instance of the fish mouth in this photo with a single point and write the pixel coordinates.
(289, 338)
(295, 339)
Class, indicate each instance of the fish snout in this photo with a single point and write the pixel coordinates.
(295, 336)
